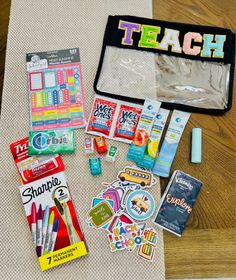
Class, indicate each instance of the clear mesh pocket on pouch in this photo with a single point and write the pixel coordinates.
(141, 74)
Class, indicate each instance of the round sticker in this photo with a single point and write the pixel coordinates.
(140, 205)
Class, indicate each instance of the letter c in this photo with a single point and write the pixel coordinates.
(118, 245)
(188, 38)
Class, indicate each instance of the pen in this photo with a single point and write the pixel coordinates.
(45, 226)
(69, 223)
(59, 206)
(72, 234)
(54, 236)
(39, 231)
(49, 233)
(33, 223)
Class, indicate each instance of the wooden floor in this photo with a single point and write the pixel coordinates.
(208, 245)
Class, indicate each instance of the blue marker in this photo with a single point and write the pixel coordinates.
(54, 236)
(169, 147)
(45, 225)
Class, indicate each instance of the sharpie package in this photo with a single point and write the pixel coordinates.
(177, 202)
(53, 221)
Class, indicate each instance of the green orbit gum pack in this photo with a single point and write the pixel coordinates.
(51, 142)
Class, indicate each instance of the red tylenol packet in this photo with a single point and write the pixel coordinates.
(102, 115)
(127, 122)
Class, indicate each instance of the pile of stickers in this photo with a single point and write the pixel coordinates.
(121, 210)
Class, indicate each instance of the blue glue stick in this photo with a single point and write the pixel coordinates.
(196, 153)
(170, 144)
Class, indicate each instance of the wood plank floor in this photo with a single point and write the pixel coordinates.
(208, 246)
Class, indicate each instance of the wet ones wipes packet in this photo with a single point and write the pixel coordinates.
(177, 202)
(113, 119)
(102, 115)
(51, 142)
(127, 121)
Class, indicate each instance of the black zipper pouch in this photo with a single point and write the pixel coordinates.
(186, 67)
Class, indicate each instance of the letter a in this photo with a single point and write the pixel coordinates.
(171, 38)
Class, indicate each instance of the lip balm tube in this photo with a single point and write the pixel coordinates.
(196, 151)
(47, 166)
(169, 147)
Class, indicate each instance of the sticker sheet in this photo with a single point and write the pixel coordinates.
(55, 88)
(121, 211)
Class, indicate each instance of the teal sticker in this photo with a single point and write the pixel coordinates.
(101, 214)
(96, 201)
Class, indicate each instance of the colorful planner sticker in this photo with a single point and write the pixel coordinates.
(50, 79)
(56, 91)
(121, 209)
(36, 81)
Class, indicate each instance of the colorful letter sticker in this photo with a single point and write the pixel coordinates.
(140, 205)
(126, 237)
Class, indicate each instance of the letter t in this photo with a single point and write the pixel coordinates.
(129, 28)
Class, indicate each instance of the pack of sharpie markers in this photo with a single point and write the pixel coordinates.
(49, 209)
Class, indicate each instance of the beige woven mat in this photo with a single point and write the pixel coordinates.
(41, 25)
